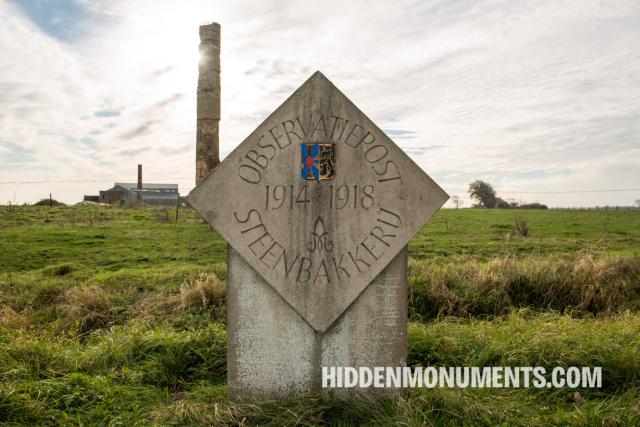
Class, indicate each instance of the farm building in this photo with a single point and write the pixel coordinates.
(133, 194)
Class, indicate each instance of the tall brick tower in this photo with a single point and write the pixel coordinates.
(208, 112)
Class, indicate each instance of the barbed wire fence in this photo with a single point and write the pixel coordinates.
(449, 190)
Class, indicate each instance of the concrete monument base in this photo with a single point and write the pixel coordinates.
(273, 353)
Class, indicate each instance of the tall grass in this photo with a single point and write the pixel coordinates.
(116, 317)
(525, 339)
(138, 373)
(582, 285)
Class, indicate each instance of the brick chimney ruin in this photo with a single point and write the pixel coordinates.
(208, 109)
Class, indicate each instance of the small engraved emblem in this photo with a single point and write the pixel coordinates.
(319, 238)
(318, 161)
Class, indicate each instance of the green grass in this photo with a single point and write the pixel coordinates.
(117, 317)
(138, 373)
(485, 234)
(112, 239)
(581, 285)
(104, 239)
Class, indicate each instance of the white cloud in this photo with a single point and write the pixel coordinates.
(529, 95)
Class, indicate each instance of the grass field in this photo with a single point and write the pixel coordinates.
(116, 317)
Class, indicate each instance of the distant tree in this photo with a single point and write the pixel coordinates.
(638, 203)
(502, 204)
(483, 194)
(534, 205)
(457, 201)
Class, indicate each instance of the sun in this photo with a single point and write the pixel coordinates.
(164, 42)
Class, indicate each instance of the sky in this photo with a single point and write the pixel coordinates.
(539, 98)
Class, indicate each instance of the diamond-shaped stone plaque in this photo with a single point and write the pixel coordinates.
(318, 200)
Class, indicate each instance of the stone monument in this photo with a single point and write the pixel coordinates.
(317, 206)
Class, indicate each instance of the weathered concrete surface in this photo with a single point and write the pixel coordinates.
(270, 348)
(319, 205)
(373, 330)
(208, 108)
(274, 353)
(318, 243)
